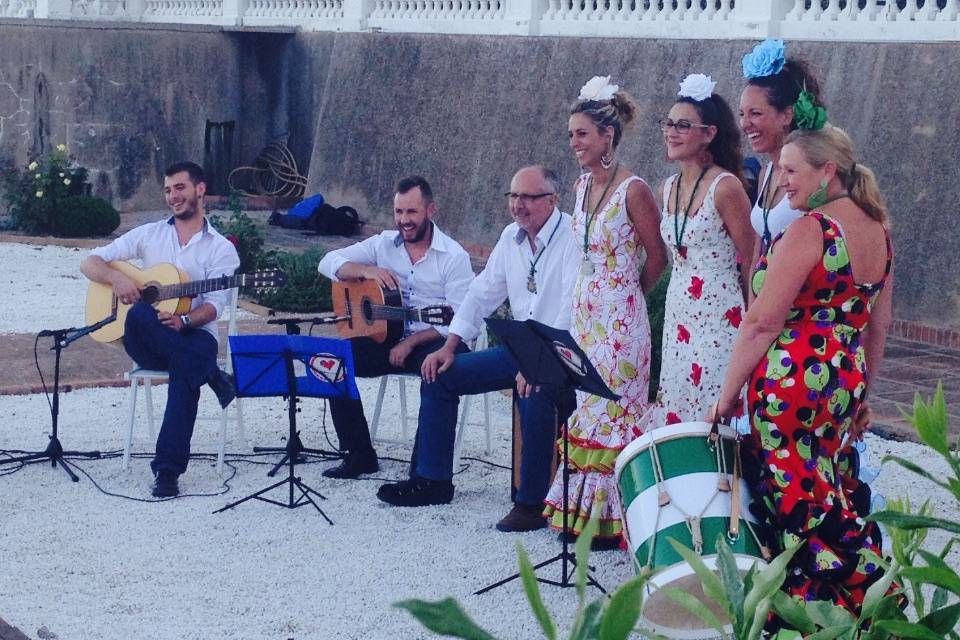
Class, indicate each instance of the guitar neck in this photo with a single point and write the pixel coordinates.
(197, 287)
(400, 314)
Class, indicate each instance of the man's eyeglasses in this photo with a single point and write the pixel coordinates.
(680, 126)
(525, 198)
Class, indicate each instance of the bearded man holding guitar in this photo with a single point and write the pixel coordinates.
(186, 344)
(427, 268)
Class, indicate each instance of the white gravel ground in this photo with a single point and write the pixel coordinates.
(89, 565)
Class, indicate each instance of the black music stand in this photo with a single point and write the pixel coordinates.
(292, 326)
(292, 365)
(62, 338)
(551, 357)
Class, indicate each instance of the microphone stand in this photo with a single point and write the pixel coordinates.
(296, 445)
(62, 338)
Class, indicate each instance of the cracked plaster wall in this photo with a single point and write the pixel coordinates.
(126, 102)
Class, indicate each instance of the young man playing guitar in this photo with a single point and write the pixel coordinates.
(184, 345)
(428, 268)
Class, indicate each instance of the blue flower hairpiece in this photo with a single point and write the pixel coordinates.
(766, 59)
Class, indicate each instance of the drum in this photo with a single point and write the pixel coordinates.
(675, 482)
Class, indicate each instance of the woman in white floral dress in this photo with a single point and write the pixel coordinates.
(617, 219)
(706, 225)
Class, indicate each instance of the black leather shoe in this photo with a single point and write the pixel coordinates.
(224, 386)
(416, 492)
(523, 517)
(165, 485)
(355, 464)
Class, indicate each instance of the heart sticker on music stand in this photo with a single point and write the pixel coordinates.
(570, 358)
(327, 368)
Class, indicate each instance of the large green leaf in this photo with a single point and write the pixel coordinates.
(694, 606)
(732, 582)
(934, 560)
(825, 614)
(930, 420)
(444, 617)
(712, 587)
(944, 578)
(623, 610)
(942, 620)
(792, 612)
(831, 633)
(877, 591)
(760, 615)
(910, 466)
(940, 597)
(582, 555)
(909, 521)
(532, 589)
(587, 626)
(911, 630)
(769, 579)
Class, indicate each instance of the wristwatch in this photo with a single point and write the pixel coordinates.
(185, 320)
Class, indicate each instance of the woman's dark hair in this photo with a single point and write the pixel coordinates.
(725, 146)
(618, 112)
(784, 88)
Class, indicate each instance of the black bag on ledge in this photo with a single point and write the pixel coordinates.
(335, 221)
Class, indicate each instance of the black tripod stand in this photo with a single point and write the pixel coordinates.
(550, 357)
(291, 365)
(54, 451)
(293, 329)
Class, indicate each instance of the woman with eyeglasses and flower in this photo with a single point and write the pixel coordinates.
(616, 219)
(706, 224)
(806, 347)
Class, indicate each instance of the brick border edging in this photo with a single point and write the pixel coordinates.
(927, 334)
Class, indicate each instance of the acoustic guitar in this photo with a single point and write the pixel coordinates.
(165, 287)
(365, 309)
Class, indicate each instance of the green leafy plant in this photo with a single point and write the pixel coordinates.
(84, 216)
(242, 232)
(745, 600)
(306, 289)
(36, 193)
(606, 618)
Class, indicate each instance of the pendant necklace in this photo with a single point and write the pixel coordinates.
(766, 205)
(586, 267)
(679, 230)
(531, 281)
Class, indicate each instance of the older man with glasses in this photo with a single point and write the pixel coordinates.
(534, 265)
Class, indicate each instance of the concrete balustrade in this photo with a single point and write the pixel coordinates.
(838, 20)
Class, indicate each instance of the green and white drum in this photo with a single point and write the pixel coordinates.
(676, 483)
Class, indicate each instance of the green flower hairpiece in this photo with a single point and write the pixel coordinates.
(806, 113)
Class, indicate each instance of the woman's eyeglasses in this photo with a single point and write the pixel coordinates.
(680, 126)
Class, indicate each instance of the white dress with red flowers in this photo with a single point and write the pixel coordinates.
(703, 309)
(610, 324)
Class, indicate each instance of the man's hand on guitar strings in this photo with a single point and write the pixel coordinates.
(125, 289)
(384, 277)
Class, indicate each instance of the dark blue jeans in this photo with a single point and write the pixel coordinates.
(371, 359)
(190, 358)
(479, 372)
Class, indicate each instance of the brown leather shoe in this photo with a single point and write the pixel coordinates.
(523, 517)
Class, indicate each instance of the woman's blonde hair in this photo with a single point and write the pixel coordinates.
(832, 144)
(618, 112)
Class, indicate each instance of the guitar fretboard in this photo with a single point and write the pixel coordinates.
(196, 287)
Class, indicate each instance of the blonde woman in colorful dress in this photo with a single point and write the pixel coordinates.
(706, 225)
(616, 219)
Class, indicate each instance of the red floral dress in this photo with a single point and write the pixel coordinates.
(802, 397)
(703, 310)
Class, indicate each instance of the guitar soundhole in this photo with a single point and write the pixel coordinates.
(149, 294)
(366, 309)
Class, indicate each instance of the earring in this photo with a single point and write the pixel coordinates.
(819, 197)
(606, 160)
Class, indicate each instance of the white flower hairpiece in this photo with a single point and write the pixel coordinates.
(697, 86)
(598, 88)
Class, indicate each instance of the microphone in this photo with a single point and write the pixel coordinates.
(314, 320)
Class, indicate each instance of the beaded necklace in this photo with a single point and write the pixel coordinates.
(679, 230)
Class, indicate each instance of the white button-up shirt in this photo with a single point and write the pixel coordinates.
(441, 276)
(206, 255)
(506, 273)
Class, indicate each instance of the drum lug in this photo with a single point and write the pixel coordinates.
(723, 484)
(664, 499)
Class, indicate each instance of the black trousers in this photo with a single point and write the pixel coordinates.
(371, 359)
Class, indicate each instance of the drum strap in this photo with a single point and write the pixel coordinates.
(735, 494)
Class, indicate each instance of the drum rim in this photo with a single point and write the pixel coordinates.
(664, 434)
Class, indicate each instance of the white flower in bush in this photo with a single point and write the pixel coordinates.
(39, 194)
(32, 166)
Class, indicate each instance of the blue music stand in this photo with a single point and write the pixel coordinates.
(292, 366)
